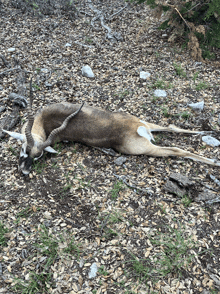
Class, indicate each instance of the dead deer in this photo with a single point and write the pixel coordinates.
(94, 127)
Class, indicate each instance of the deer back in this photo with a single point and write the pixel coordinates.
(91, 126)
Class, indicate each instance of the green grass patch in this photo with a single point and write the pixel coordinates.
(171, 253)
(179, 70)
(3, 231)
(114, 192)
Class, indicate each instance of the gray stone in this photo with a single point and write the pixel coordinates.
(144, 75)
(160, 93)
(87, 72)
(81, 263)
(197, 106)
(120, 160)
(48, 85)
(211, 141)
(11, 49)
(45, 70)
(93, 270)
(2, 108)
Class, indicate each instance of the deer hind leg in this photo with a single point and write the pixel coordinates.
(174, 151)
(140, 143)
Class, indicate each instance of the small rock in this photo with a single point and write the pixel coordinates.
(160, 93)
(81, 263)
(11, 49)
(93, 271)
(2, 108)
(48, 85)
(87, 72)
(1, 88)
(197, 106)
(144, 75)
(211, 141)
(68, 45)
(45, 70)
(42, 258)
(120, 160)
(47, 214)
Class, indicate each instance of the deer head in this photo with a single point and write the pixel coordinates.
(33, 145)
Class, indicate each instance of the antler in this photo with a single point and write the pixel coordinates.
(30, 140)
(59, 129)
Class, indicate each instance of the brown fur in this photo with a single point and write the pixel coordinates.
(91, 126)
(96, 127)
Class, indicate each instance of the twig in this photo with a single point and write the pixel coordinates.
(104, 223)
(208, 187)
(108, 151)
(116, 13)
(109, 35)
(78, 43)
(18, 99)
(6, 63)
(8, 70)
(180, 15)
(212, 201)
(86, 13)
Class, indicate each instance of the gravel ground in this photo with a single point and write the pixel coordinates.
(81, 222)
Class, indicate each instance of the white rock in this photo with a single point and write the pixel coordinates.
(87, 72)
(47, 215)
(45, 70)
(93, 271)
(68, 45)
(211, 141)
(11, 49)
(81, 263)
(120, 160)
(197, 106)
(160, 93)
(144, 75)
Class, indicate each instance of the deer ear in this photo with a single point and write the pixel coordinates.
(17, 136)
(50, 149)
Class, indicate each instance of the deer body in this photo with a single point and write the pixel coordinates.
(94, 127)
(91, 126)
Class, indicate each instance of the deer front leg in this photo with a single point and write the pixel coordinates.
(170, 128)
